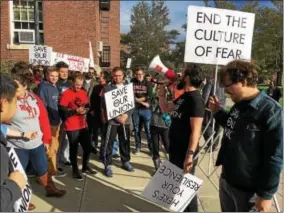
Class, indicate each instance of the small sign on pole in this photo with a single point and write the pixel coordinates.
(171, 188)
(128, 64)
(21, 205)
(40, 55)
(119, 101)
(218, 36)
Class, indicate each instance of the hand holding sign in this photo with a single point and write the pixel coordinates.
(19, 179)
(119, 101)
(214, 104)
(171, 188)
(188, 163)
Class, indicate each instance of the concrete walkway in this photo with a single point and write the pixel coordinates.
(122, 192)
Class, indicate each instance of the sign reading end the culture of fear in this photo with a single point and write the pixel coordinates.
(171, 188)
(218, 36)
(21, 205)
(119, 101)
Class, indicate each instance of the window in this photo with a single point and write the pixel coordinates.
(105, 59)
(23, 22)
(105, 5)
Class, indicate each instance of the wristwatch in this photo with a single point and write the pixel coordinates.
(22, 134)
(190, 152)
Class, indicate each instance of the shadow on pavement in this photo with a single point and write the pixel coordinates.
(97, 197)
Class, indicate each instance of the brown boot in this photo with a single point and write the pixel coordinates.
(51, 190)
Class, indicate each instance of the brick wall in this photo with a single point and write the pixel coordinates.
(6, 54)
(68, 28)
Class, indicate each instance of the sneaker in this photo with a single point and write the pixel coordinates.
(108, 171)
(77, 176)
(128, 167)
(89, 170)
(94, 151)
(137, 150)
(60, 173)
(67, 163)
(115, 156)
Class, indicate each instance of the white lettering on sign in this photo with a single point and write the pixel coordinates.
(21, 205)
(171, 188)
(217, 36)
(40, 55)
(119, 101)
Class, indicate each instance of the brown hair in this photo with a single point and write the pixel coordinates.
(115, 69)
(138, 69)
(52, 69)
(240, 71)
(78, 76)
(22, 73)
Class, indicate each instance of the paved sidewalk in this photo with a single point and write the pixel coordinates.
(122, 192)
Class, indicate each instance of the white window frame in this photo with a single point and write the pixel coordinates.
(12, 29)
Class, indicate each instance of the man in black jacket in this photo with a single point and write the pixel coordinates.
(251, 153)
(119, 125)
(11, 183)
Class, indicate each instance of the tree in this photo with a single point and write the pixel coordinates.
(268, 33)
(148, 35)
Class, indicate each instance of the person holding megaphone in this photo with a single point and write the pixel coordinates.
(187, 113)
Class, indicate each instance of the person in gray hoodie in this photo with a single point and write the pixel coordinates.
(119, 125)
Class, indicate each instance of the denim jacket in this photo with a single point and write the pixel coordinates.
(252, 145)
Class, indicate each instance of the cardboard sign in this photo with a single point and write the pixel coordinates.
(171, 188)
(21, 205)
(128, 63)
(119, 101)
(218, 36)
(40, 55)
(76, 63)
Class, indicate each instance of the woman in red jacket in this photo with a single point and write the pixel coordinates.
(31, 115)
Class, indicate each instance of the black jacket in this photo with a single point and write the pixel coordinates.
(10, 192)
(252, 145)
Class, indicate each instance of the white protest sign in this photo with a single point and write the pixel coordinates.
(171, 188)
(21, 205)
(218, 36)
(128, 63)
(76, 63)
(119, 101)
(40, 55)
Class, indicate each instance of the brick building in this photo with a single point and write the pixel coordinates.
(67, 26)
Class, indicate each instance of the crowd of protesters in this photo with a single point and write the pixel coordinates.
(46, 112)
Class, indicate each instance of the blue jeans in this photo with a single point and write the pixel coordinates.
(37, 158)
(115, 147)
(144, 115)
